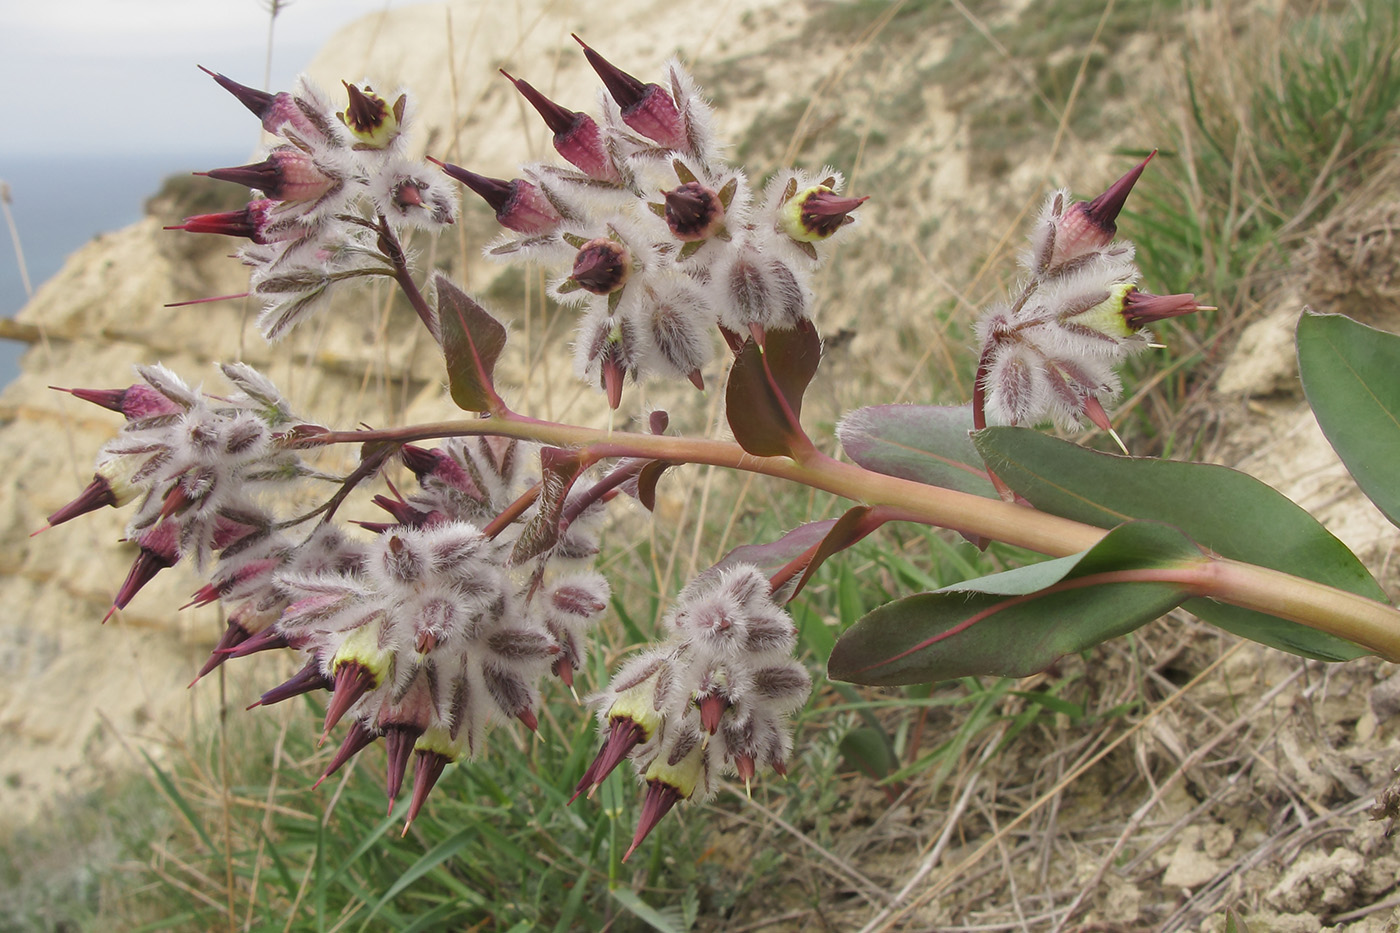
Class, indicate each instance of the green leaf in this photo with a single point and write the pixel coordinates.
(1224, 510)
(1007, 624)
(1054, 704)
(472, 341)
(772, 556)
(868, 751)
(763, 399)
(925, 443)
(813, 630)
(1349, 375)
(433, 919)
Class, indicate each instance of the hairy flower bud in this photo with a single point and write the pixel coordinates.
(693, 211)
(406, 193)
(763, 291)
(135, 402)
(816, 213)
(632, 720)
(1142, 308)
(519, 205)
(577, 136)
(111, 486)
(287, 174)
(159, 549)
(310, 678)
(302, 113)
(433, 752)
(602, 266)
(646, 108)
(256, 222)
(1067, 233)
(668, 782)
(373, 123)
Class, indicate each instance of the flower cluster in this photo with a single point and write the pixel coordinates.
(714, 697)
(427, 643)
(654, 237)
(195, 466)
(335, 190)
(1052, 353)
(432, 631)
(425, 634)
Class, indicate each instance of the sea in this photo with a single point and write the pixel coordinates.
(61, 202)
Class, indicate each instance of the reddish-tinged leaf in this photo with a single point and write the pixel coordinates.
(763, 399)
(849, 528)
(774, 555)
(472, 341)
(1229, 512)
(1016, 623)
(925, 443)
(647, 479)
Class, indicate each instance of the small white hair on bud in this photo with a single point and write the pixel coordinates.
(695, 111)
(317, 113)
(1037, 258)
(292, 292)
(602, 334)
(547, 249)
(674, 314)
(578, 199)
(758, 288)
(256, 389)
(413, 194)
(1016, 388)
(165, 382)
(281, 313)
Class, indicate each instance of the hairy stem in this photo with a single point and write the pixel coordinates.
(393, 251)
(1373, 625)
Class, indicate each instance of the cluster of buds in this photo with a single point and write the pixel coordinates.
(1053, 352)
(426, 644)
(425, 634)
(431, 632)
(655, 238)
(715, 697)
(195, 465)
(336, 190)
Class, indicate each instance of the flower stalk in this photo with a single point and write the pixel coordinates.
(1373, 625)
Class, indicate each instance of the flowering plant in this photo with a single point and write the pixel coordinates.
(444, 619)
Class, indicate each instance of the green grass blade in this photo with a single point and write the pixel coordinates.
(429, 861)
(645, 912)
(168, 786)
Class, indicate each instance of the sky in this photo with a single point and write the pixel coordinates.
(102, 99)
(96, 77)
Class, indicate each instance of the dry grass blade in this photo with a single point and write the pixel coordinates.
(931, 858)
(869, 889)
(955, 874)
(1196, 755)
